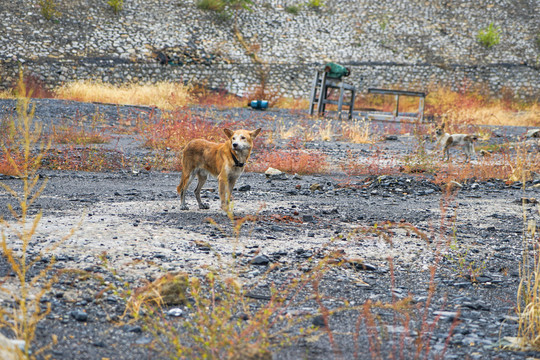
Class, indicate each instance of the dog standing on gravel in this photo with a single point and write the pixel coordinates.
(226, 161)
(466, 142)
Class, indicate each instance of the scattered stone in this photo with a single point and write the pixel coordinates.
(308, 218)
(533, 133)
(476, 306)
(79, 315)
(175, 312)
(315, 187)
(246, 187)
(391, 137)
(260, 260)
(8, 348)
(361, 265)
(275, 174)
(446, 315)
(143, 340)
(133, 329)
(318, 321)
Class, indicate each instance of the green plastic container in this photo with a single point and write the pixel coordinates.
(336, 71)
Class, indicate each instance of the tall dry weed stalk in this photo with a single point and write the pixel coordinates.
(528, 296)
(525, 163)
(24, 150)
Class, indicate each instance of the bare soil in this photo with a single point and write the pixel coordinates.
(133, 216)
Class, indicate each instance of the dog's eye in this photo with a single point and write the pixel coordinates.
(243, 138)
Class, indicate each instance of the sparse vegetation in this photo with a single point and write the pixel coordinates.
(470, 106)
(315, 4)
(30, 283)
(116, 5)
(292, 9)
(48, 9)
(211, 5)
(489, 36)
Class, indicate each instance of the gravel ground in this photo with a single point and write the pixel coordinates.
(134, 217)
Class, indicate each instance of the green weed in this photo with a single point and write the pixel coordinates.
(489, 36)
(116, 5)
(292, 9)
(48, 9)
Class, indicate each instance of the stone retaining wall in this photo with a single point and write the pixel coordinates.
(288, 80)
(409, 44)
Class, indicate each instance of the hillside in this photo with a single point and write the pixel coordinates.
(407, 42)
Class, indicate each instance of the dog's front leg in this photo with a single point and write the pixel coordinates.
(224, 192)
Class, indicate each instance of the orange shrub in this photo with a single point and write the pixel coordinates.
(6, 168)
(292, 161)
(180, 127)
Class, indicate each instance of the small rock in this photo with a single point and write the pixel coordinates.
(134, 329)
(245, 188)
(143, 340)
(307, 218)
(360, 265)
(533, 133)
(79, 315)
(275, 174)
(476, 306)
(8, 348)
(318, 321)
(315, 187)
(175, 312)
(391, 137)
(260, 260)
(446, 315)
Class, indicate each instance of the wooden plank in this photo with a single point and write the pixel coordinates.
(396, 92)
(322, 95)
(313, 96)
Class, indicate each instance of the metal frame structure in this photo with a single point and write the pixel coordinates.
(323, 83)
(399, 93)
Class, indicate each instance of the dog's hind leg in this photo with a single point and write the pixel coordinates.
(202, 179)
(181, 189)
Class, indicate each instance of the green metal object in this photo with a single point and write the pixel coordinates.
(336, 71)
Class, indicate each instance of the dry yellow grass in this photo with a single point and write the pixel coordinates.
(496, 115)
(163, 95)
(358, 131)
(292, 103)
(475, 108)
(7, 94)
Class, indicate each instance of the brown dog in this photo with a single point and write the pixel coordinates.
(225, 161)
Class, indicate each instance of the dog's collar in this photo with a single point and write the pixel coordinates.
(236, 162)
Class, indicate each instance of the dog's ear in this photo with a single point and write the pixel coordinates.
(228, 132)
(255, 133)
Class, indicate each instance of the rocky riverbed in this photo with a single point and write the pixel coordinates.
(472, 236)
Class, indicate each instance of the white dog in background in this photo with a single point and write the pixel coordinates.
(466, 142)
